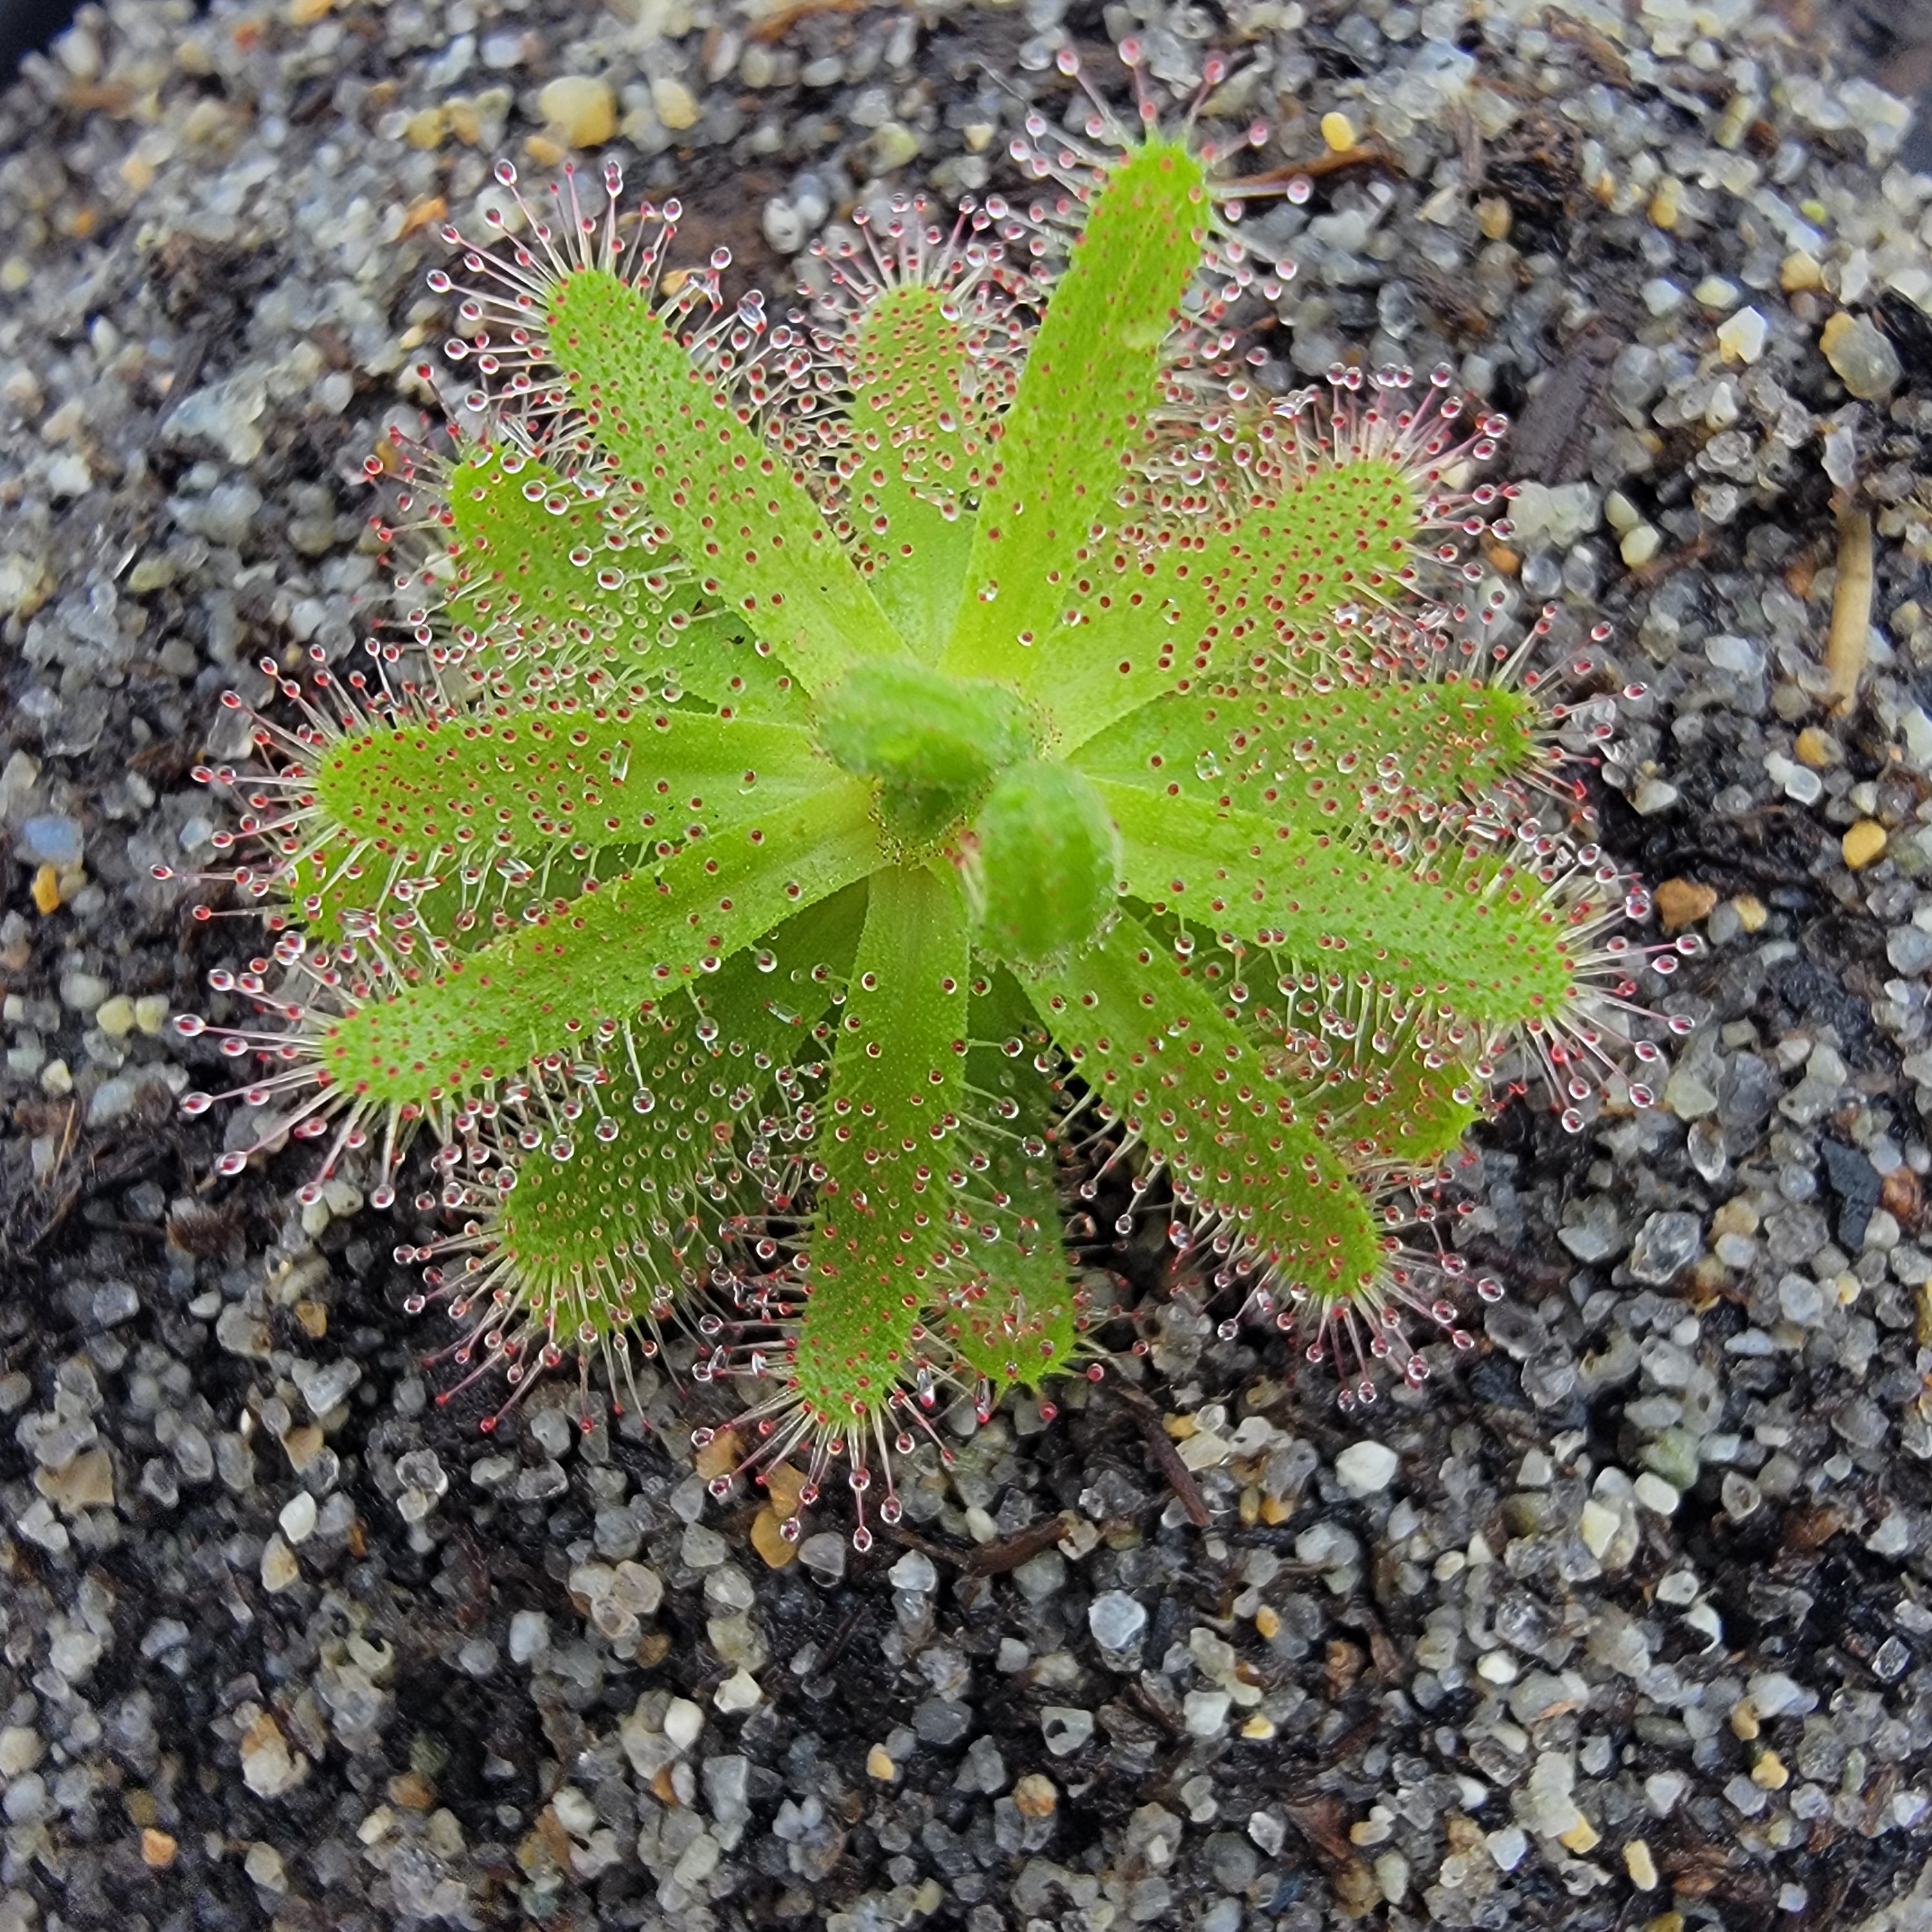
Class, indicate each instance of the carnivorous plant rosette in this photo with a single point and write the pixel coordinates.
(843, 782)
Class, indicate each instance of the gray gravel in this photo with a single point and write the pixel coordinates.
(1631, 1617)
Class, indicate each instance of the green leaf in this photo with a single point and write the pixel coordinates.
(914, 728)
(1473, 934)
(1220, 594)
(511, 780)
(1081, 419)
(712, 656)
(1292, 751)
(545, 565)
(737, 513)
(1378, 1094)
(526, 545)
(636, 939)
(922, 435)
(883, 1232)
(1015, 1319)
(1188, 1086)
(1044, 866)
(620, 1212)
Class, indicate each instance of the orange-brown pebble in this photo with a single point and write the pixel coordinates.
(422, 212)
(719, 1457)
(1035, 1796)
(1683, 902)
(1862, 844)
(47, 891)
(767, 1541)
(158, 1849)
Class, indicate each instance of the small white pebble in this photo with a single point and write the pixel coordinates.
(574, 1810)
(1205, 1713)
(115, 1016)
(1655, 1494)
(279, 1567)
(683, 1723)
(297, 1517)
(1598, 1526)
(1365, 1469)
(740, 1691)
(1641, 542)
(1508, 1846)
(914, 1571)
(529, 1635)
(1742, 337)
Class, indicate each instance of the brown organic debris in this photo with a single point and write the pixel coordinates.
(1851, 610)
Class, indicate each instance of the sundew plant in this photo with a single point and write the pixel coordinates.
(842, 785)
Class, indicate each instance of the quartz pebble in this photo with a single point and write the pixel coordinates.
(580, 109)
(1742, 335)
(1862, 356)
(676, 105)
(1366, 1467)
(1116, 1619)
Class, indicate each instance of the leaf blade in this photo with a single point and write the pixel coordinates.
(882, 1229)
(734, 509)
(1186, 1082)
(1480, 939)
(1080, 415)
(636, 938)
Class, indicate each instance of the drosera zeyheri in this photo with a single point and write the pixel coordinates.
(839, 784)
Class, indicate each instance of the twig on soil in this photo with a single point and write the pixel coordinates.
(1180, 1478)
(990, 1559)
(1851, 610)
(1369, 154)
(838, 1639)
